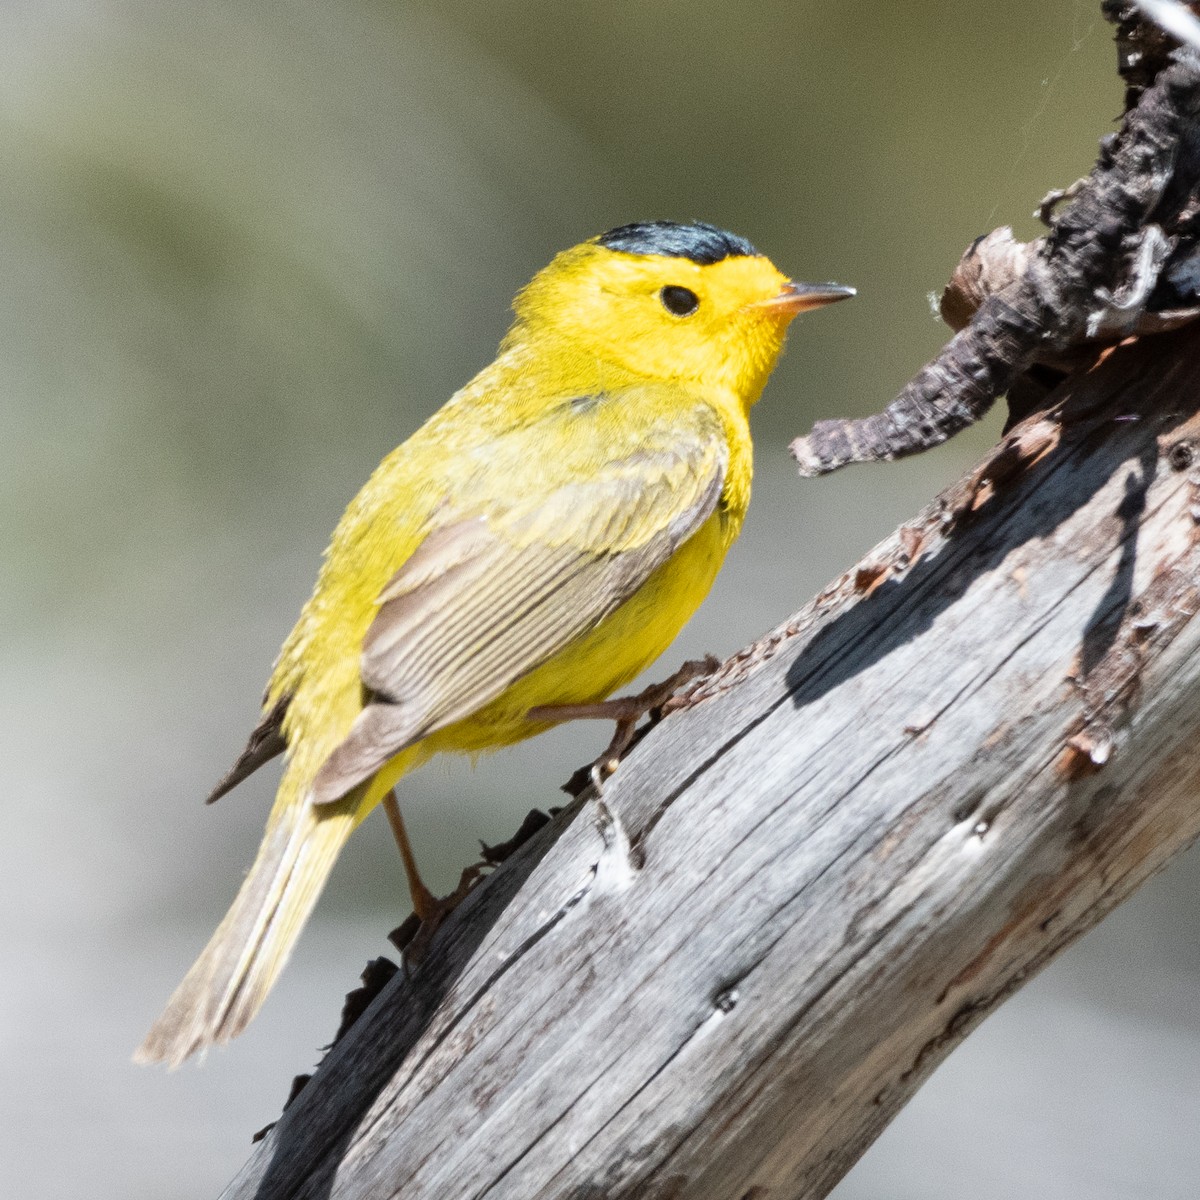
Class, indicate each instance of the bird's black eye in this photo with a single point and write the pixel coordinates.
(679, 300)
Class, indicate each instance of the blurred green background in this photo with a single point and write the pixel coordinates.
(249, 247)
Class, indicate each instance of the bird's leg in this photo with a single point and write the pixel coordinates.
(626, 711)
(425, 904)
(430, 911)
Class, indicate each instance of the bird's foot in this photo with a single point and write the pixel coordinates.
(414, 936)
(626, 711)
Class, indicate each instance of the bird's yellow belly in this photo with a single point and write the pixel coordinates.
(607, 658)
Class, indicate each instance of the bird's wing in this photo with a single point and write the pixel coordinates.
(485, 599)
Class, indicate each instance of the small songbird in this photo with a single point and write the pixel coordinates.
(535, 545)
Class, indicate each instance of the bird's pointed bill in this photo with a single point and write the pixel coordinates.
(796, 297)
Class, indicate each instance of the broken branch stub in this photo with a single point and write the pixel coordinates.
(1120, 258)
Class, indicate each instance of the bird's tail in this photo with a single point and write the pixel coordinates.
(230, 980)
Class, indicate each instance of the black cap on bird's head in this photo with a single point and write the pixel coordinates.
(700, 242)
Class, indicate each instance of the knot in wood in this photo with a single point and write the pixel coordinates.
(726, 999)
(1181, 455)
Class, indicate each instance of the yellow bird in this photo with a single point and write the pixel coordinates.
(537, 543)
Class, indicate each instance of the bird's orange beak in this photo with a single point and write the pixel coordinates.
(800, 297)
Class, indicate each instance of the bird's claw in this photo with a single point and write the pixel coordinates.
(414, 937)
(626, 711)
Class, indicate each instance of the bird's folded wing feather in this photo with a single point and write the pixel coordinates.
(485, 599)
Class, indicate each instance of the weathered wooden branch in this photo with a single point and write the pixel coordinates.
(794, 898)
(722, 978)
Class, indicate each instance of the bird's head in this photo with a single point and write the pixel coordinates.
(667, 301)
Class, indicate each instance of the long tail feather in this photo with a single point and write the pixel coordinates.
(230, 980)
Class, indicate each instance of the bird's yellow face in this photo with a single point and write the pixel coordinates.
(670, 302)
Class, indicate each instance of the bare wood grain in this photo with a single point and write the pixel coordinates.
(795, 897)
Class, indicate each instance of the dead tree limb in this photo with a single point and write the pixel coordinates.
(722, 978)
